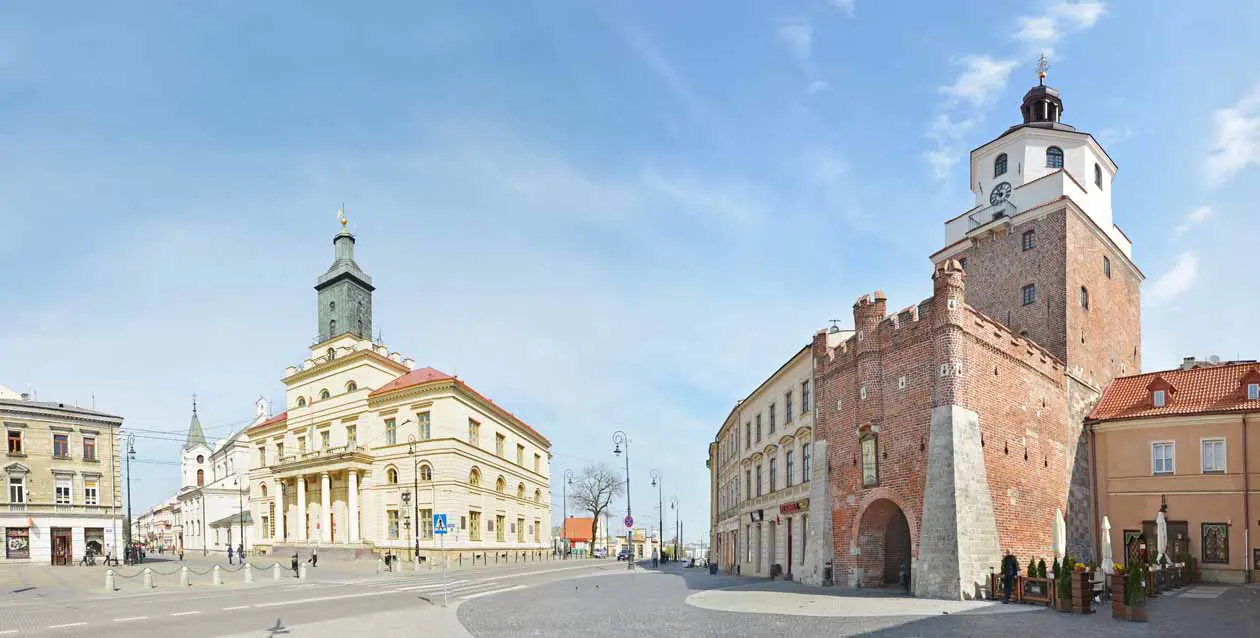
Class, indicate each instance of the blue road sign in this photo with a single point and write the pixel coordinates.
(629, 522)
(439, 523)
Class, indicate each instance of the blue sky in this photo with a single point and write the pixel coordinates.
(602, 215)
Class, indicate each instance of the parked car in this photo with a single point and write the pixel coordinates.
(624, 554)
(600, 552)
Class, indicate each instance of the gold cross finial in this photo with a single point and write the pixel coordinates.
(341, 214)
(1042, 67)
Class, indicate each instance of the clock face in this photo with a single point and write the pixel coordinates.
(1000, 193)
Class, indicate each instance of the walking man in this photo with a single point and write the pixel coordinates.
(1010, 569)
(315, 556)
(229, 554)
(240, 552)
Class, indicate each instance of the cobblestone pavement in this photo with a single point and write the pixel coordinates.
(654, 603)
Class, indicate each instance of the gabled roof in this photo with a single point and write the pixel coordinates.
(415, 377)
(1198, 391)
(273, 420)
(577, 529)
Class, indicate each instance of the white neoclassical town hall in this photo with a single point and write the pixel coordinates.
(370, 447)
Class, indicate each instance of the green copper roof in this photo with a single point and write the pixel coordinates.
(195, 435)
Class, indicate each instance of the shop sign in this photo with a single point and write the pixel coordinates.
(795, 506)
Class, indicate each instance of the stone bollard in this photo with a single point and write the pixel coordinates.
(302, 572)
(275, 571)
(380, 566)
(216, 578)
(148, 578)
(249, 573)
(109, 580)
(183, 577)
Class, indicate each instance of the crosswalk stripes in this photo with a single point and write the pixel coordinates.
(428, 586)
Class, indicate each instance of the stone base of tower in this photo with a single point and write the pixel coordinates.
(958, 541)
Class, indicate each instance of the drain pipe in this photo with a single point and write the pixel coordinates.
(1093, 474)
(1246, 505)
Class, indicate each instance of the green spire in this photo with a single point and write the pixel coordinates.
(195, 435)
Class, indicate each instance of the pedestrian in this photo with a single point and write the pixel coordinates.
(240, 552)
(1010, 569)
(905, 576)
(315, 556)
(229, 550)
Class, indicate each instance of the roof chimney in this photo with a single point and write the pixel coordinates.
(26, 396)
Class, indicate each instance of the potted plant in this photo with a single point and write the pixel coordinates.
(1032, 568)
(1063, 582)
(1082, 588)
(1132, 604)
(1041, 568)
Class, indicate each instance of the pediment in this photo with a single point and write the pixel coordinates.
(16, 468)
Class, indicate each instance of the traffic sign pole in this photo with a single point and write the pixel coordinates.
(439, 528)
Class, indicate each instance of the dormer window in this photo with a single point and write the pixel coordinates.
(1054, 157)
(999, 165)
(1098, 176)
(1159, 398)
(1253, 391)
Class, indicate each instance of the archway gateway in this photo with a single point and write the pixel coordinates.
(884, 543)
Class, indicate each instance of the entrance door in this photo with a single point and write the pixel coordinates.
(62, 546)
(772, 548)
(896, 547)
(788, 568)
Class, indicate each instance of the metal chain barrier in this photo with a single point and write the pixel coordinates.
(257, 566)
(205, 573)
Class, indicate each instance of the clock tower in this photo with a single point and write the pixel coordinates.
(345, 292)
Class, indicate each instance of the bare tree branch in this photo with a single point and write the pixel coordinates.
(593, 491)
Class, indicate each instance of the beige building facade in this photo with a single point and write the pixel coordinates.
(371, 447)
(61, 478)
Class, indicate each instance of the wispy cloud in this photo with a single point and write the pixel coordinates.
(1235, 139)
(980, 78)
(847, 7)
(796, 35)
(1177, 280)
(1194, 218)
(696, 108)
(1042, 31)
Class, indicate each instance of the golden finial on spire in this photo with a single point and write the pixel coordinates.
(341, 214)
(1042, 67)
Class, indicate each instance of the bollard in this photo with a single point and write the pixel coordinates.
(109, 580)
(216, 578)
(380, 566)
(183, 577)
(148, 578)
(302, 572)
(249, 573)
(275, 571)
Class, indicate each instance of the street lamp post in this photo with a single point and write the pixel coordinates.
(406, 497)
(620, 438)
(415, 486)
(131, 454)
(240, 518)
(673, 504)
(659, 483)
(564, 518)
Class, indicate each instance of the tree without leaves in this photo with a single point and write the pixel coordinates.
(593, 490)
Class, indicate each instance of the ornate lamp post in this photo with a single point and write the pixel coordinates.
(131, 454)
(406, 498)
(620, 438)
(564, 520)
(415, 485)
(673, 504)
(659, 483)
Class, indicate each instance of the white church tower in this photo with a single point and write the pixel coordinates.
(196, 451)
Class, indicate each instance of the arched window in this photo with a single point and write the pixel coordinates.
(351, 386)
(332, 305)
(537, 496)
(1084, 298)
(324, 394)
(500, 485)
(201, 478)
(391, 476)
(1098, 176)
(1054, 157)
(262, 489)
(999, 165)
(520, 491)
(332, 354)
(426, 473)
(474, 477)
(301, 402)
(332, 328)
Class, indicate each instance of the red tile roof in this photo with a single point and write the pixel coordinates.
(427, 375)
(578, 530)
(1201, 390)
(273, 420)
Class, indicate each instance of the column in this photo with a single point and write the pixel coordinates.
(325, 502)
(280, 535)
(301, 510)
(354, 506)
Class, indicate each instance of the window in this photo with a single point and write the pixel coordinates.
(999, 165)
(474, 433)
(520, 491)
(1107, 267)
(15, 442)
(324, 394)
(748, 543)
(280, 450)
(806, 398)
(201, 478)
(200, 459)
(262, 489)
(17, 489)
(324, 438)
(1030, 294)
(537, 496)
(774, 474)
(62, 488)
(772, 409)
(520, 530)
(351, 386)
(500, 485)
(391, 432)
(426, 524)
(499, 531)
(352, 435)
(391, 516)
(758, 479)
(963, 263)
(870, 462)
(426, 430)
(332, 328)
(262, 456)
(787, 406)
(1213, 451)
(61, 446)
(391, 476)
(520, 455)
(1029, 240)
(332, 354)
(757, 420)
(805, 450)
(332, 305)
(91, 494)
(862, 393)
(1162, 457)
(474, 477)
(89, 448)
(499, 440)
(537, 463)
(1098, 176)
(789, 464)
(1054, 157)
(301, 402)
(1253, 391)
(748, 482)
(1158, 398)
(1084, 298)
(1215, 542)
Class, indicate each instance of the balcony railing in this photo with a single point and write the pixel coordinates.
(17, 507)
(330, 452)
(990, 213)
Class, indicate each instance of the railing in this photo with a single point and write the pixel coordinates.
(329, 452)
(57, 508)
(990, 213)
(17, 507)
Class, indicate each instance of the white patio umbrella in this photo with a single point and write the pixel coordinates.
(1161, 535)
(1106, 545)
(1060, 534)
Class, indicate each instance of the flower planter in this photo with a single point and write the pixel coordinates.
(1117, 595)
(1082, 593)
(1131, 613)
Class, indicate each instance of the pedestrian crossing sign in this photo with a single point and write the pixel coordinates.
(439, 523)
